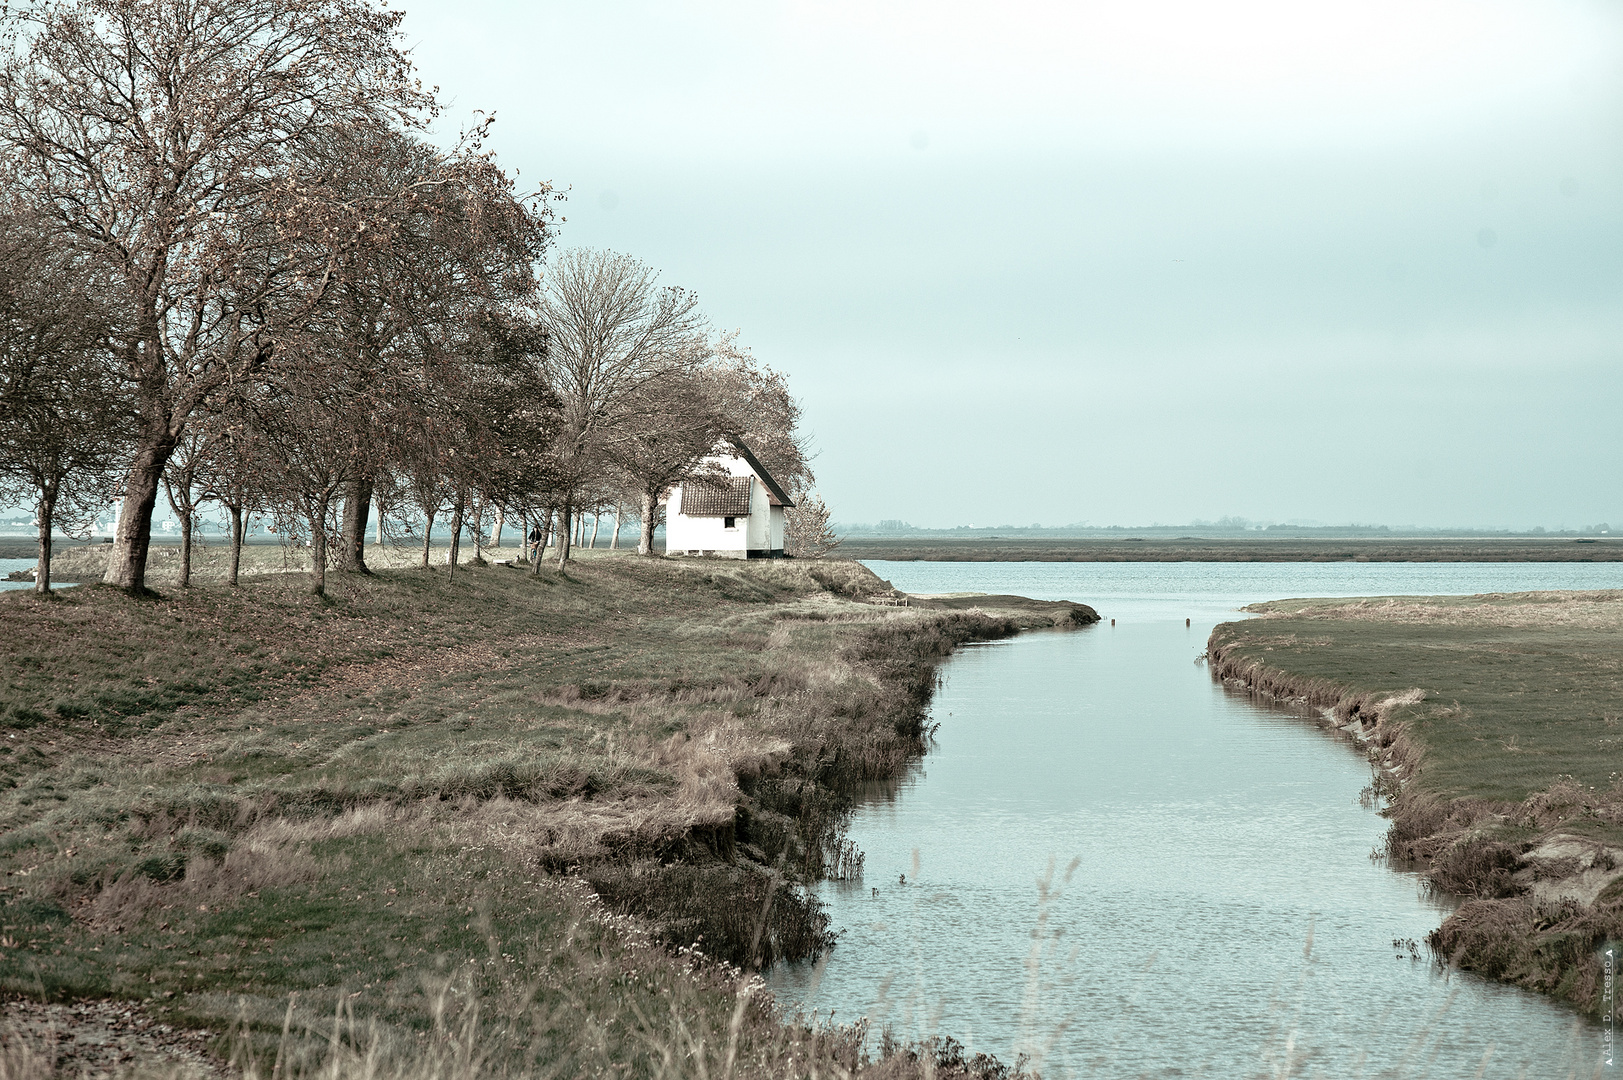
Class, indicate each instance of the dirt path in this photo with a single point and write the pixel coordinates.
(97, 1039)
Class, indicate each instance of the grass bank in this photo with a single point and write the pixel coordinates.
(1496, 724)
(502, 824)
(1258, 549)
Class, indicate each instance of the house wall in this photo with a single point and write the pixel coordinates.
(683, 533)
(760, 522)
(759, 534)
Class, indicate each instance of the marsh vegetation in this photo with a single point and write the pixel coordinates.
(587, 802)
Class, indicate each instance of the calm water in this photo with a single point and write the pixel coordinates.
(8, 565)
(1224, 916)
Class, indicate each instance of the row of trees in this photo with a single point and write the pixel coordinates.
(234, 272)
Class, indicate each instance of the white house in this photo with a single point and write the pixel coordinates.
(736, 515)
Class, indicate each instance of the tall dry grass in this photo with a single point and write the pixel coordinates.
(223, 795)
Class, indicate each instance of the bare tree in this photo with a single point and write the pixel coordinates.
(480, 436)
(757, 408)
(61, 420)
(669, 436)
(614, 338)
(233, 468)
(511, 419)
(807, 533)
(159, 134)
(445, 244)
(679, 421)
(307, 425)
(423, 451)
(427, 489)
(184, 491)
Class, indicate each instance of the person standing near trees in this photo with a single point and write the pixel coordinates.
(531, 549)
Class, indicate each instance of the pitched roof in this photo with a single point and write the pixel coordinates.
(729, 497)
(778, 495)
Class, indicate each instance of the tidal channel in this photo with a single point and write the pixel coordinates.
(1113, 866)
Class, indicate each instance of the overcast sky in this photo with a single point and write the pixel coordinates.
(1114, 262)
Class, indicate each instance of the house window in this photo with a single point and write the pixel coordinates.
(732, 523)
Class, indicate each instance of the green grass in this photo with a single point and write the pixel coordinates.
(1500, 720)
(1520, 691)
(536, 792)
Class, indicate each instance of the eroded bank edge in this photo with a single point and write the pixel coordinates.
(1535, 913)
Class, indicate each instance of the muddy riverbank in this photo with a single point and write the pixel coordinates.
(1495, 723)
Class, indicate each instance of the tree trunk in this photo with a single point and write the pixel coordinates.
(650, 510)
(185, 548)
(183, 510)
(380, 520)
(596, 519)
(545, 525)
(357, 507)
(236, 544)
(46, 512)
(566, 524)
(456, 535)
(428, 535)
(127, 567)
(614, 541)
(318, 548)
(496, 533)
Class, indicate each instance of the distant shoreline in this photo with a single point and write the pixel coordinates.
(1260, 549)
